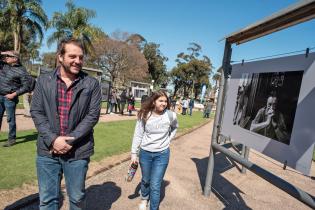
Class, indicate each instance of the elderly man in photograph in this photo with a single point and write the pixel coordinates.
(65, 107)
(269, 122)
(14, 81)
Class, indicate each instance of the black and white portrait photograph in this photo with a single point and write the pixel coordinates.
(269, 107)
(266, 103)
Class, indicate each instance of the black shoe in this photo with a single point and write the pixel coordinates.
(9, 143)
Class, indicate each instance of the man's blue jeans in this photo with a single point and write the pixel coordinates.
(190, 110)
(8, 106)
(49, 173)
(153, 166)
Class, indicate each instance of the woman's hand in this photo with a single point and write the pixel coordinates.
(134, 158)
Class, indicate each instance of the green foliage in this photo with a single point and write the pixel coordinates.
(18, 162)
(74, 22)
(24, 17)
(191, 71)
(49, 59)
(156, 64)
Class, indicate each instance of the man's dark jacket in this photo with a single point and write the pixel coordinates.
(14, 79)
(83, 115)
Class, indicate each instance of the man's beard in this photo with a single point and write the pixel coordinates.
(67, 68)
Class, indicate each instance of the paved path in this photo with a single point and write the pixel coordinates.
(185, 177)
(25, 123)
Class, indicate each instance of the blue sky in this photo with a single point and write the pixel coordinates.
(176, 23)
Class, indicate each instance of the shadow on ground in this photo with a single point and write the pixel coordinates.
(98, 197)
(23, 139)
(136, 193)
(101, 197)
(229, 194)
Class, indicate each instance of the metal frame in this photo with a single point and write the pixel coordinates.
(297, 13)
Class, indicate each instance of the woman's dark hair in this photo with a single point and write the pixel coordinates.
(148, 105)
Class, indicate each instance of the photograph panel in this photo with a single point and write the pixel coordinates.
(266, 103)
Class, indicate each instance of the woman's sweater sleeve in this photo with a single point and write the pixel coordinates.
(174, 126)
(137, 137)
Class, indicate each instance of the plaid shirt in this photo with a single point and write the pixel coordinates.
(64, 102)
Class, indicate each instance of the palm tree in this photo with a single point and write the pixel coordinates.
(74, 23)
(33, 52)
(25, 16)
(216, 77)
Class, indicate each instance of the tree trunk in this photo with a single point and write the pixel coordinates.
(17, 38)
(15, 41)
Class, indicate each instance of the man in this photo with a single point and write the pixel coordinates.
(207, 108)
(65, 107)
(27, 98)
(270, 122)
(123, 101)
(14, 81)
(185, 105)
(113, 101)
(173, 102)
(191, 105)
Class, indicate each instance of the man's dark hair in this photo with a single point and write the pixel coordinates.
(70, 40)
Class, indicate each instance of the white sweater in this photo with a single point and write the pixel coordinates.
(155, 135)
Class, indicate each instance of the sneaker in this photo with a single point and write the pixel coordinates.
(9, 143)
(143, 205)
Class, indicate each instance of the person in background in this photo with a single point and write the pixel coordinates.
(131, 104)
(191, 105)
(155, 128)
(118, 102)
(123, 101)
(27, 98)
(14, 81)
(185, 105)
(207, 108)
(179, 106)
(65, 107)
(113, 101)
(173, 102)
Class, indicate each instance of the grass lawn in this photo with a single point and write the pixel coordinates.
(18, 162)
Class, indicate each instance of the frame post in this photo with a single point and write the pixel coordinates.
(218, 115)
(245, 154)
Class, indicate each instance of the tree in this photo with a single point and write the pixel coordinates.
(25, 16)
(156, 64)
(48, 59)
(74, 23)
(32, 53)
(121, 61)
(191, 72)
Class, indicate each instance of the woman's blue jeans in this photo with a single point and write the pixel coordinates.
(153, 166)
(49, 173)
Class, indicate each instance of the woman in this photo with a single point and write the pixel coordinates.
(155, 128)
(131, 104)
